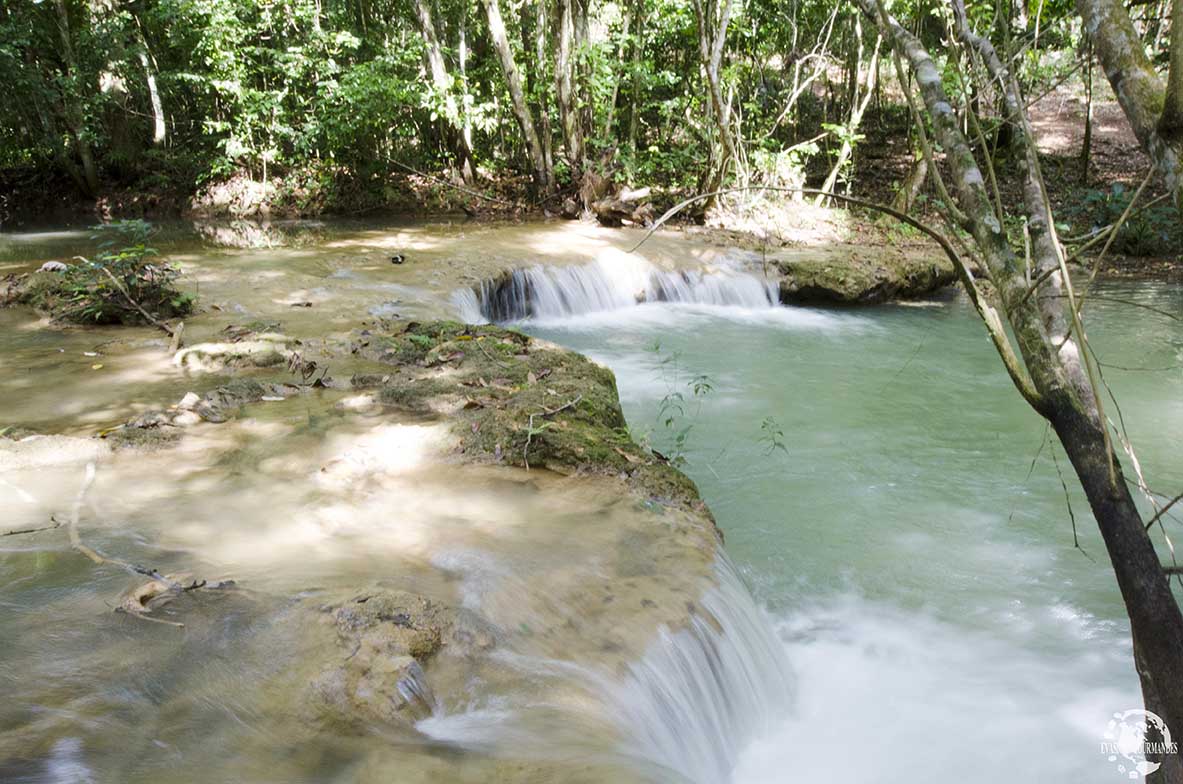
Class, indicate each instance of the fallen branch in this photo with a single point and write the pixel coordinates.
(91, 553)
(19, 531)
(131, 301)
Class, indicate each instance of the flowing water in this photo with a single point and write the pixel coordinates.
(920, 610)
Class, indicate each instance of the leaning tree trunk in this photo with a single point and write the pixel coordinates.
(521, 111)
(1152, 111)
(1054, 376)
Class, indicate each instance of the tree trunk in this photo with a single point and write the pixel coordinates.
(513, 80)
(540, 48)
(462, 64)
(712, 35)
(1170, 127)
(75, 116)
(913, 184)
(1086, 145)
(857, 109)
(1155, 119)
(565, 81)
(638, 47)
(442, 83)
(159, 128)
(1057, 380)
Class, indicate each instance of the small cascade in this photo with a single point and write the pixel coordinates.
(684, 711)
(701, 694)
(613, 281)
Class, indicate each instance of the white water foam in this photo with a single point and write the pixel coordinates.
(888, 695)
(614, 281)
(686, 709)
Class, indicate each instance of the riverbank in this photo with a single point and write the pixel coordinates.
(526, 602)
(294, 524)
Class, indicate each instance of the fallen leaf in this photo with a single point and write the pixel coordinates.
(97, 367)
(631, 458)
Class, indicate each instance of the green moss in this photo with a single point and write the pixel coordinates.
(521, 401)
(143, 438)
(862, 281)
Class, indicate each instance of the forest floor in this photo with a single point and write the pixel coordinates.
(1081, 202)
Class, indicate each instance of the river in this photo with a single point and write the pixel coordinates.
(898, 513)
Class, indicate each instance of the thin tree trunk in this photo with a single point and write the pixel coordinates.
(540, 48)
(1154, 119)
(159, 127)
(857, 109)
(638, 47)
(442, 83)
(1086, 146)
(565, 81)
(462, 63)
(75, 116)
(513, 81)
(1058, 382)
(712, 35)
(148, 63)
(912, 186)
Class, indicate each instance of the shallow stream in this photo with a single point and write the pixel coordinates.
(922, 608)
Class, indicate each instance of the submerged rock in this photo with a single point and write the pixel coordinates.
(376, 671)
(161, 428)
(262, 350)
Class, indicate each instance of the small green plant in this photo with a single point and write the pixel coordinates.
(1148, 232)
(677, 413)
(772, 436)
(122, 284)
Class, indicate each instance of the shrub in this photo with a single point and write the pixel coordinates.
(122, 282)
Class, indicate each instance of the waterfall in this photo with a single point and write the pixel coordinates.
(701, 694)
(613, 281)
(684, 711)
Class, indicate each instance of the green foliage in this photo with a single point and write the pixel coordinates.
(123, 274)
(1155, 231)
(772, 436)
(679, 409)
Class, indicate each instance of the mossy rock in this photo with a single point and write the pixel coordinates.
(518, 400)
(858, 280)
(82, 297)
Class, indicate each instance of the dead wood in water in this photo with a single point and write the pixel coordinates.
(160, 589)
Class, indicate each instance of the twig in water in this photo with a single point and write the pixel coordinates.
(94, 555)
(18, 531)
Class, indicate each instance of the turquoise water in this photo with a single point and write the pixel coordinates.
(911, 540)
(905, 529)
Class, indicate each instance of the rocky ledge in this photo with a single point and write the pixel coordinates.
(861, 277)
(384, 657)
